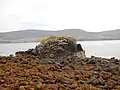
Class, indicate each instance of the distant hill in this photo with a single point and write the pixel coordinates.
(35, 35)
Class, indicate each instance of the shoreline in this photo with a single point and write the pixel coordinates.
(9, 42)
(103, 57)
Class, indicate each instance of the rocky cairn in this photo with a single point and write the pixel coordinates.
(56, 47)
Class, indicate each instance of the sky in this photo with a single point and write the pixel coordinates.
(89, 15)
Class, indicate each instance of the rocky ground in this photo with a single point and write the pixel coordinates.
(56, 66)
(70, 73)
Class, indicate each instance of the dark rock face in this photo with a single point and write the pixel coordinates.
(79, 47)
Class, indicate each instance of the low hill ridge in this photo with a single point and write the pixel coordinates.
(32, 35)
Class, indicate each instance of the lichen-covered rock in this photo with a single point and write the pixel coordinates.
(81, 54)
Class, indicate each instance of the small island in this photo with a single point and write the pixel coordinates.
(58, 63)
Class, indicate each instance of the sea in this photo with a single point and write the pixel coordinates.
(106, 49)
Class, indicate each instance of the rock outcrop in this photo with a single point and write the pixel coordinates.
(56, 47)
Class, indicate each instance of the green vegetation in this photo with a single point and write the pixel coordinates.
(56, 38)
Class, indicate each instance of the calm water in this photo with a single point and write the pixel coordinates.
(97, 48)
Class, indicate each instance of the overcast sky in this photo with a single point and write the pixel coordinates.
(89, 15)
